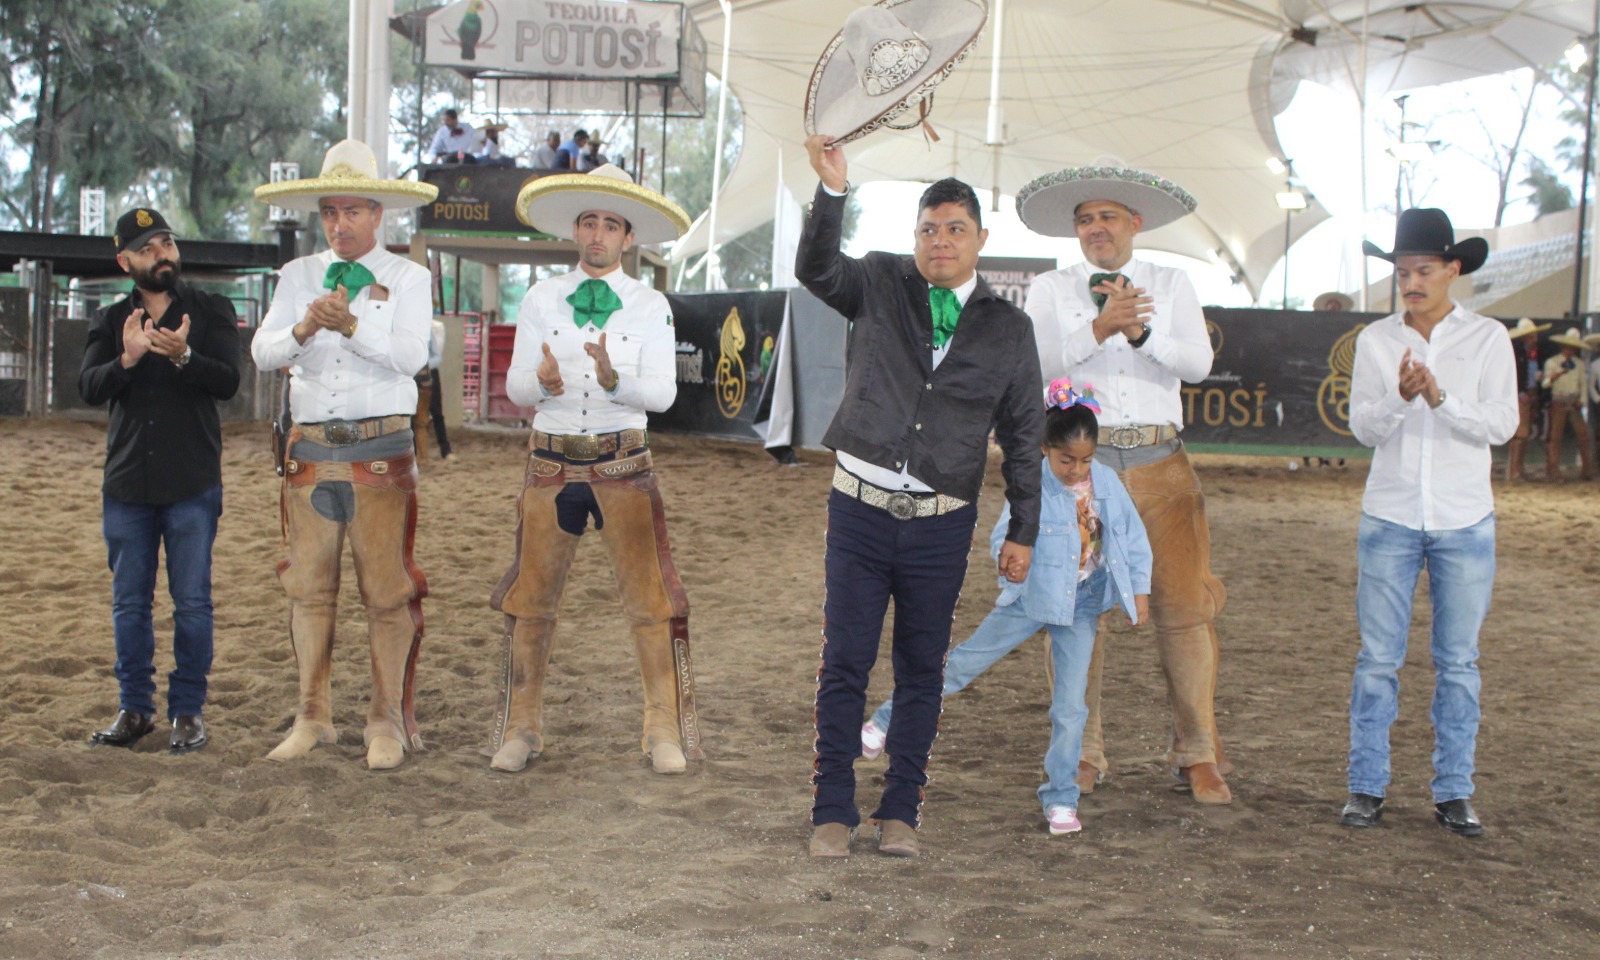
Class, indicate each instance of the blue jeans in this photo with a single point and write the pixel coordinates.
(134, 534)
(1071, 646)
(1460, 576)
(871, 559)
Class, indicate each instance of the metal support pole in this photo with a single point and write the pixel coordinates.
(1588, 153)
(716, 160)
(1399, 176)
(1288, 217)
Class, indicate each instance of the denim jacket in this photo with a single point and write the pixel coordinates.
(1050, 592)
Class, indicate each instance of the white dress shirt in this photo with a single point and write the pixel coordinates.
(1135, 385)
(350, 378)
(1430, 467)
(544, 158)
(902, 479)
(640, 339)
(446, 143)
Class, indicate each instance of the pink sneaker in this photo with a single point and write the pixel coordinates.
(1063, 820)
(872, 739)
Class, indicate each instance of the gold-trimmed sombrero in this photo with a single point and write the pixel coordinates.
(348, 170)
(887, 60)
(1049, 204)
(1572, 338)
(552, 204)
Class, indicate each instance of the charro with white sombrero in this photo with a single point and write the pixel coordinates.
(888, 59)
(1134, 329)
(595, 350)
(1566, 376)
(1525, 351)
(351, 324)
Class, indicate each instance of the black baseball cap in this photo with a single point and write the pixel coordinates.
(137, 226)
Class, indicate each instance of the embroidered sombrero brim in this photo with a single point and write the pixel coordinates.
(552, 205)
(838, 103)
(1049, 205)
(305, 195)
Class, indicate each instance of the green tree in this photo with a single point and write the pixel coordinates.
(1545, 190)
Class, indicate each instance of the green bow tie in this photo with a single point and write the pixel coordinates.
(594, 302)
(946, 309)
(1095, 279)
(349, 273)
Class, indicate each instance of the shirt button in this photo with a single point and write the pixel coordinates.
(586, 394)
(928, 386)
(899, 464)
(919, 426)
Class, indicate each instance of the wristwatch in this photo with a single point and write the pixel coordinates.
(1442, 396)
(182, 359)
(1143, 336)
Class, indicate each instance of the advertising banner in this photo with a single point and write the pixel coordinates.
(475, 200)
(598, 39)
(726, 346)
(1010, 277)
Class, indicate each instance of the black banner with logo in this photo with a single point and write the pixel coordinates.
(1280, 383)
(726, 345)
(475, 199)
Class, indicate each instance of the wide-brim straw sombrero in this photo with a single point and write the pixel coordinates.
(1572, 338)
(1526, 327)
(1592, 341)
(552, 204)
(348, 170)
(1049, 204)
(886, 61)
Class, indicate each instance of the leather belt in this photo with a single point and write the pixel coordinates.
(348, 433)
(1136, 435)
(899, 504)
(583, 447)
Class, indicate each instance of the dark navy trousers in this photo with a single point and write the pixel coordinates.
(872, 558)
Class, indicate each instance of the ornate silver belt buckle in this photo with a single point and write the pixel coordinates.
(1126, 438)
(902, 506)
(379, 467)
(580, 447)
(341, 433)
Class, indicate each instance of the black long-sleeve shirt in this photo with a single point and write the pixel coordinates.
(898, 410)
(165, 439)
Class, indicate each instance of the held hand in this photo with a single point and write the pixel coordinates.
(1014, 561)
(134, 342)
(332, 312)
(549, 372)
(168, 343)
(1141, 606)
(828, 162)
(604, 374)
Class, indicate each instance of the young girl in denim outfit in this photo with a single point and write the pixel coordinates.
(1092, 554)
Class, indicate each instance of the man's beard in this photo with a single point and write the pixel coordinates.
(154, 279)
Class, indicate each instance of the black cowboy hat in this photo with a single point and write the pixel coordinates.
(1426, 232)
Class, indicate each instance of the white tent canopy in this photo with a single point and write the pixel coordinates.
(1185, 88)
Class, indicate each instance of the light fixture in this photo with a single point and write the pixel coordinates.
(1577, 55)
(1291, 200)
(1277, 167)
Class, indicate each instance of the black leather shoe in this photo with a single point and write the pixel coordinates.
(188, 733)
(124, 731)
(1457, 817)
(1362, 810)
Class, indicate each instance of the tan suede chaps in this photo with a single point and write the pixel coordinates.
(382, 534)
(635, 536)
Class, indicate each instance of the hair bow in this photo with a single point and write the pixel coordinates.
(1062, 395)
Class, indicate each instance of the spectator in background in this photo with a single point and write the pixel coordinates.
(1567, 378)
(544, 158)
(486, 149)
(1592, 341)
(591, 158)
(1525, 351)
(567, 156)
(453, 141)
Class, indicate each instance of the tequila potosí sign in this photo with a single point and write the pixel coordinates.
(600, 39)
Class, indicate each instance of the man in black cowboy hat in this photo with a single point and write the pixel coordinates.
(1434, 388)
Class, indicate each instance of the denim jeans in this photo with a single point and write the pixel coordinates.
(871, 559)
(1071, 645)
(1460, 567)
(134, 535)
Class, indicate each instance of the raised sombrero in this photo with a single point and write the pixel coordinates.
(552, 204)
(348, 170)
(1572, 338)
(887, 60)
(1049, 205)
